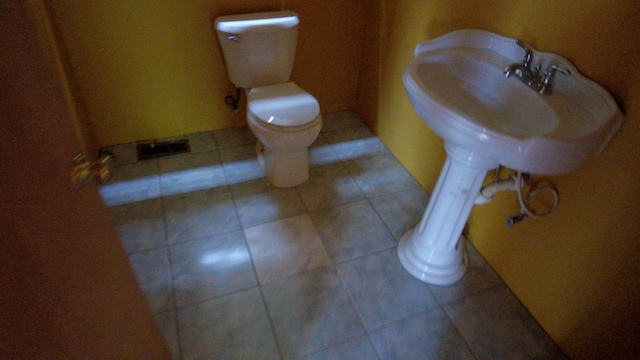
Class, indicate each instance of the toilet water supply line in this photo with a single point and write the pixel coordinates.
(233, 101)
(516, 184)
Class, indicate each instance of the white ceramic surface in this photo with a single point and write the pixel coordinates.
(286, 120)
(457, 86)
(259, 49)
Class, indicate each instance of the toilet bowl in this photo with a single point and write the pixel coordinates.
(259, 50)
(286, 120)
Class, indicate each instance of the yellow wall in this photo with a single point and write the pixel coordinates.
(149, 69)
(576, 270)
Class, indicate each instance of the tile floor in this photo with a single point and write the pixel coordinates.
(236, 269)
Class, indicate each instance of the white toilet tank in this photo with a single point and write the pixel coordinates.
(258, 48)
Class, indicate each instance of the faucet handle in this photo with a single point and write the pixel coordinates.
(528, 53)
(546, 85)
(551, 70)
(536, 69)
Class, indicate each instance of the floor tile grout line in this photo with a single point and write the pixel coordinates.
(210, 298)
(439, 306)
(343, 341)
(216, 142)
(333, 264)
(396, 321)
(169, 256)
(364, 332)
(201, 237)
(443, 307)
(362, 256)
(255, 271)
(217, 149)
(270, 319)
(353, 304)
(259, 286)
(168, 246)
(402, 319)
(242, 226)
(224, 172)
(457, 329)
(379, 217)
(288, 277)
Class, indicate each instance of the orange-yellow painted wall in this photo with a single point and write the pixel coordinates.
(146, 69)
(576, 270)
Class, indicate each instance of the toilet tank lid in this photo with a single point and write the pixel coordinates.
(283, 105)
(257, 22)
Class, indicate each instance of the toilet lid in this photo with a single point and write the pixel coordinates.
(284, 105)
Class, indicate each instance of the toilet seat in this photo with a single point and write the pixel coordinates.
(283, 107)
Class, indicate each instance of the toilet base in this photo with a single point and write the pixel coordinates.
(283, 169)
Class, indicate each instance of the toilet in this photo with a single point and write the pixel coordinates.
(259, 50)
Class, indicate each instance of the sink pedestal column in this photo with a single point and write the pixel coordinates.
(433, 251)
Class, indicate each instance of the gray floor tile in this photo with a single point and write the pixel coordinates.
(259, 202)
(198, 214)
(240, 164)
(154, 277)
(402, 210)
(328, 185)
(351, 230)
(233, 137)
(380, 174)
(140, 225)
(310, 312)
(285, 247)
(210, 267)
(202, 141)
(131, 183)
(340, 120)
(208, 244)
(321, 153)
(354, 142)
(427, 336)
(168, 327)
(500, 328)
(123, 153)
(382, 291)
(357, 349)
(190, 172)
(232, 327)
(478, 277)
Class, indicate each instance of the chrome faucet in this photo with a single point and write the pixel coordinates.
(546, 81)
(522, 71)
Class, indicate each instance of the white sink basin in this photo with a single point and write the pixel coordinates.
(456, 84)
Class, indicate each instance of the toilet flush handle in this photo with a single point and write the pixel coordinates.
(233, 38)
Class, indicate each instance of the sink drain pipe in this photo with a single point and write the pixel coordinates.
(538, 187)
(486, 193)
(517, 184)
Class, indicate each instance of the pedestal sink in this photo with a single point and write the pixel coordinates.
(457, 86)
